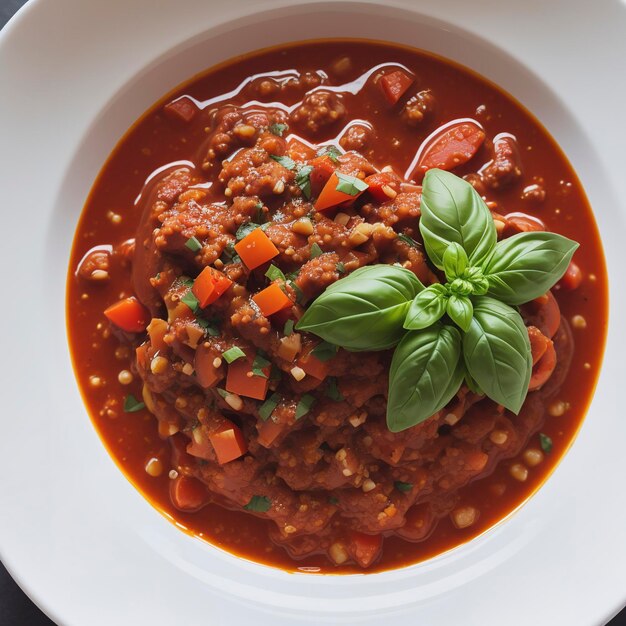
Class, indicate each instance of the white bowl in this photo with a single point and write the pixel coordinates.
(78, 538)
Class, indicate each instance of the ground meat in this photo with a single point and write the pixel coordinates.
(418, 108)
(357, 137)
(506, 167)
(318, 110)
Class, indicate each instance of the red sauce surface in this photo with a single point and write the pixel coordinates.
(156, 140)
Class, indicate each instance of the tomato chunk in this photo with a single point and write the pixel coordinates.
(128, 314)
(188, 493)
(395, 84)
(313, 366)
(330, 196)
(206, 373)
(298, 150)
(572, 278)
(449, 146)
(238, 381)
(256, 248)
(272, 299)
(228, 442)
(183, 109)
(210, 285)
(383, 186)
(544, 368)
(323, 169)
(364, 549)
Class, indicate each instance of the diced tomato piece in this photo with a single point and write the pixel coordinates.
(383, 186)
(272, 299)
(210, 285)
(188, 493)
(572, 278)
(323, 169)
(448, 147)
(238, 381)
(270, 432)
(364, 549)
(157, 329)
(141, 355)
(129, 315)
(330, 196)
(183, 109)
(228, 442)
(538, 343)
(206, 373)
(418, 524)
(544, 313)
(200, 446)
(256, 248)
(395, 84)
(313, 366)
(298, 150)
(544, 368)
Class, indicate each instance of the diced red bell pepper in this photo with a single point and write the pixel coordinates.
(544, 368)
(228, 442)
(210, 285)
(272, 299)
(242, 381)
(395, 84)
(256, 248)
(182, 109)
(129, 315)
(313, 366)
(206, 373)
(200, 446)
(383, 186)
(270, 432)
(364, 549)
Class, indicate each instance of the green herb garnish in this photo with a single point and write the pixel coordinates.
(285, 161)
(232, 354)
(288, 329)
(278, 129)
(193, 244)
(316, 250)
(274, 273)
(229, 254)
(350, 185)
(258, 504)
(331, 152)
(259, 363)
(332, 389)
(546, 443)
(267, 408)
(132, 405)
(332, 500)
(303, 180)
(465, 328)
(304, 405)
(191, 301)
(341, 268)
(408, 240)
(324, 351)
(245, 229)
(403, 487)
(211, 328)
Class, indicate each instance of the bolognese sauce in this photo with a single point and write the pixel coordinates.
(224, 212)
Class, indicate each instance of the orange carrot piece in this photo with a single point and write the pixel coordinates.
(272, 299)
(330, 196)
(206, 373)
(210, 285)
(243, 382)
(128, 314)
(228, 442)
(256, 248)
(395, 84)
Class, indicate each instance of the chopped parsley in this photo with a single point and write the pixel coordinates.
(350, 185)
(132, 405)
(285, 161)
(245, 229)
(304, 406)
(191, 301)
(289, 324)
(341, 268)
(324, 351)
(229, 254)
(267, 408)
(299, 294)
(303, 180)
(332, 389)
(258, 504)
(275, 273)
(210, 327)
(193, 244)
(331, 152)
(316, 250)
(258, 364)
(408, 240)
(278, 129)
(403, 487)
(232, 354)
(546, 443)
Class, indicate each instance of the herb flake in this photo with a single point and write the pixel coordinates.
(278, 129)
(259, 363)
(285, 161)
(546, 443)
(245, 229)
(193, 244)
(324, 351)
(132, 405)
(316, 251)
(403, 487)
(267, 408)
(408, 240)
(332, 389)
(332, 152)
(303, 180)
(258, 504)
(289, 324)
(275, 273)
(232, 354)
(191, 301)
(304, 405)
(341, 268)
(350, 185)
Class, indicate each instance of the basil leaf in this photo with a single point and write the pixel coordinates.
(350, 185)
(427, 307)
(324, 351)
(193, 244)
(259, 504)
(331, 152)
(365, 310)
(232, 354)
(523, 267)
(267, 408)
(497, 354)
(332, 389)
(546, 443)
(245, 229)
(452, 211)
(278, 129)
(403, 487)
(426, 371)
(460, 311)
(285, 161)
(274, 273)
(454, 261)
(303, 180)
(258, 364)
(132, 405)
(191, 301)
(304, 405)
(210, 327)
(316, 251)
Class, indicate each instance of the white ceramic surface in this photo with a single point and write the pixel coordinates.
(75, 534)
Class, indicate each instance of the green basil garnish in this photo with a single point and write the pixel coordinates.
(340, 267)
(274, 273)
(408, 240)
(404, 487)
(332, 389)
(303, 180)
(350, 185)
(259, 363)
(426, 371)
(324, 351)
(191, 301)
(460, 310)
(232, 354)
(427, 307)
(278, 129)
(267, 408)
(453, 212)
(259, 504)
(193, 244)
(524, 266)
(245, 229)
(304, 405)
(316, 250)
(285, 161)
(545, 442)
(132, 405)
(288, 329)
(497, 353)
(365, 310)
(331, 152)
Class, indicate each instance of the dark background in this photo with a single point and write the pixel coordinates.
(15, 607)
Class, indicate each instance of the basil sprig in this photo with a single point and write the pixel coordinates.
(381, 306)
